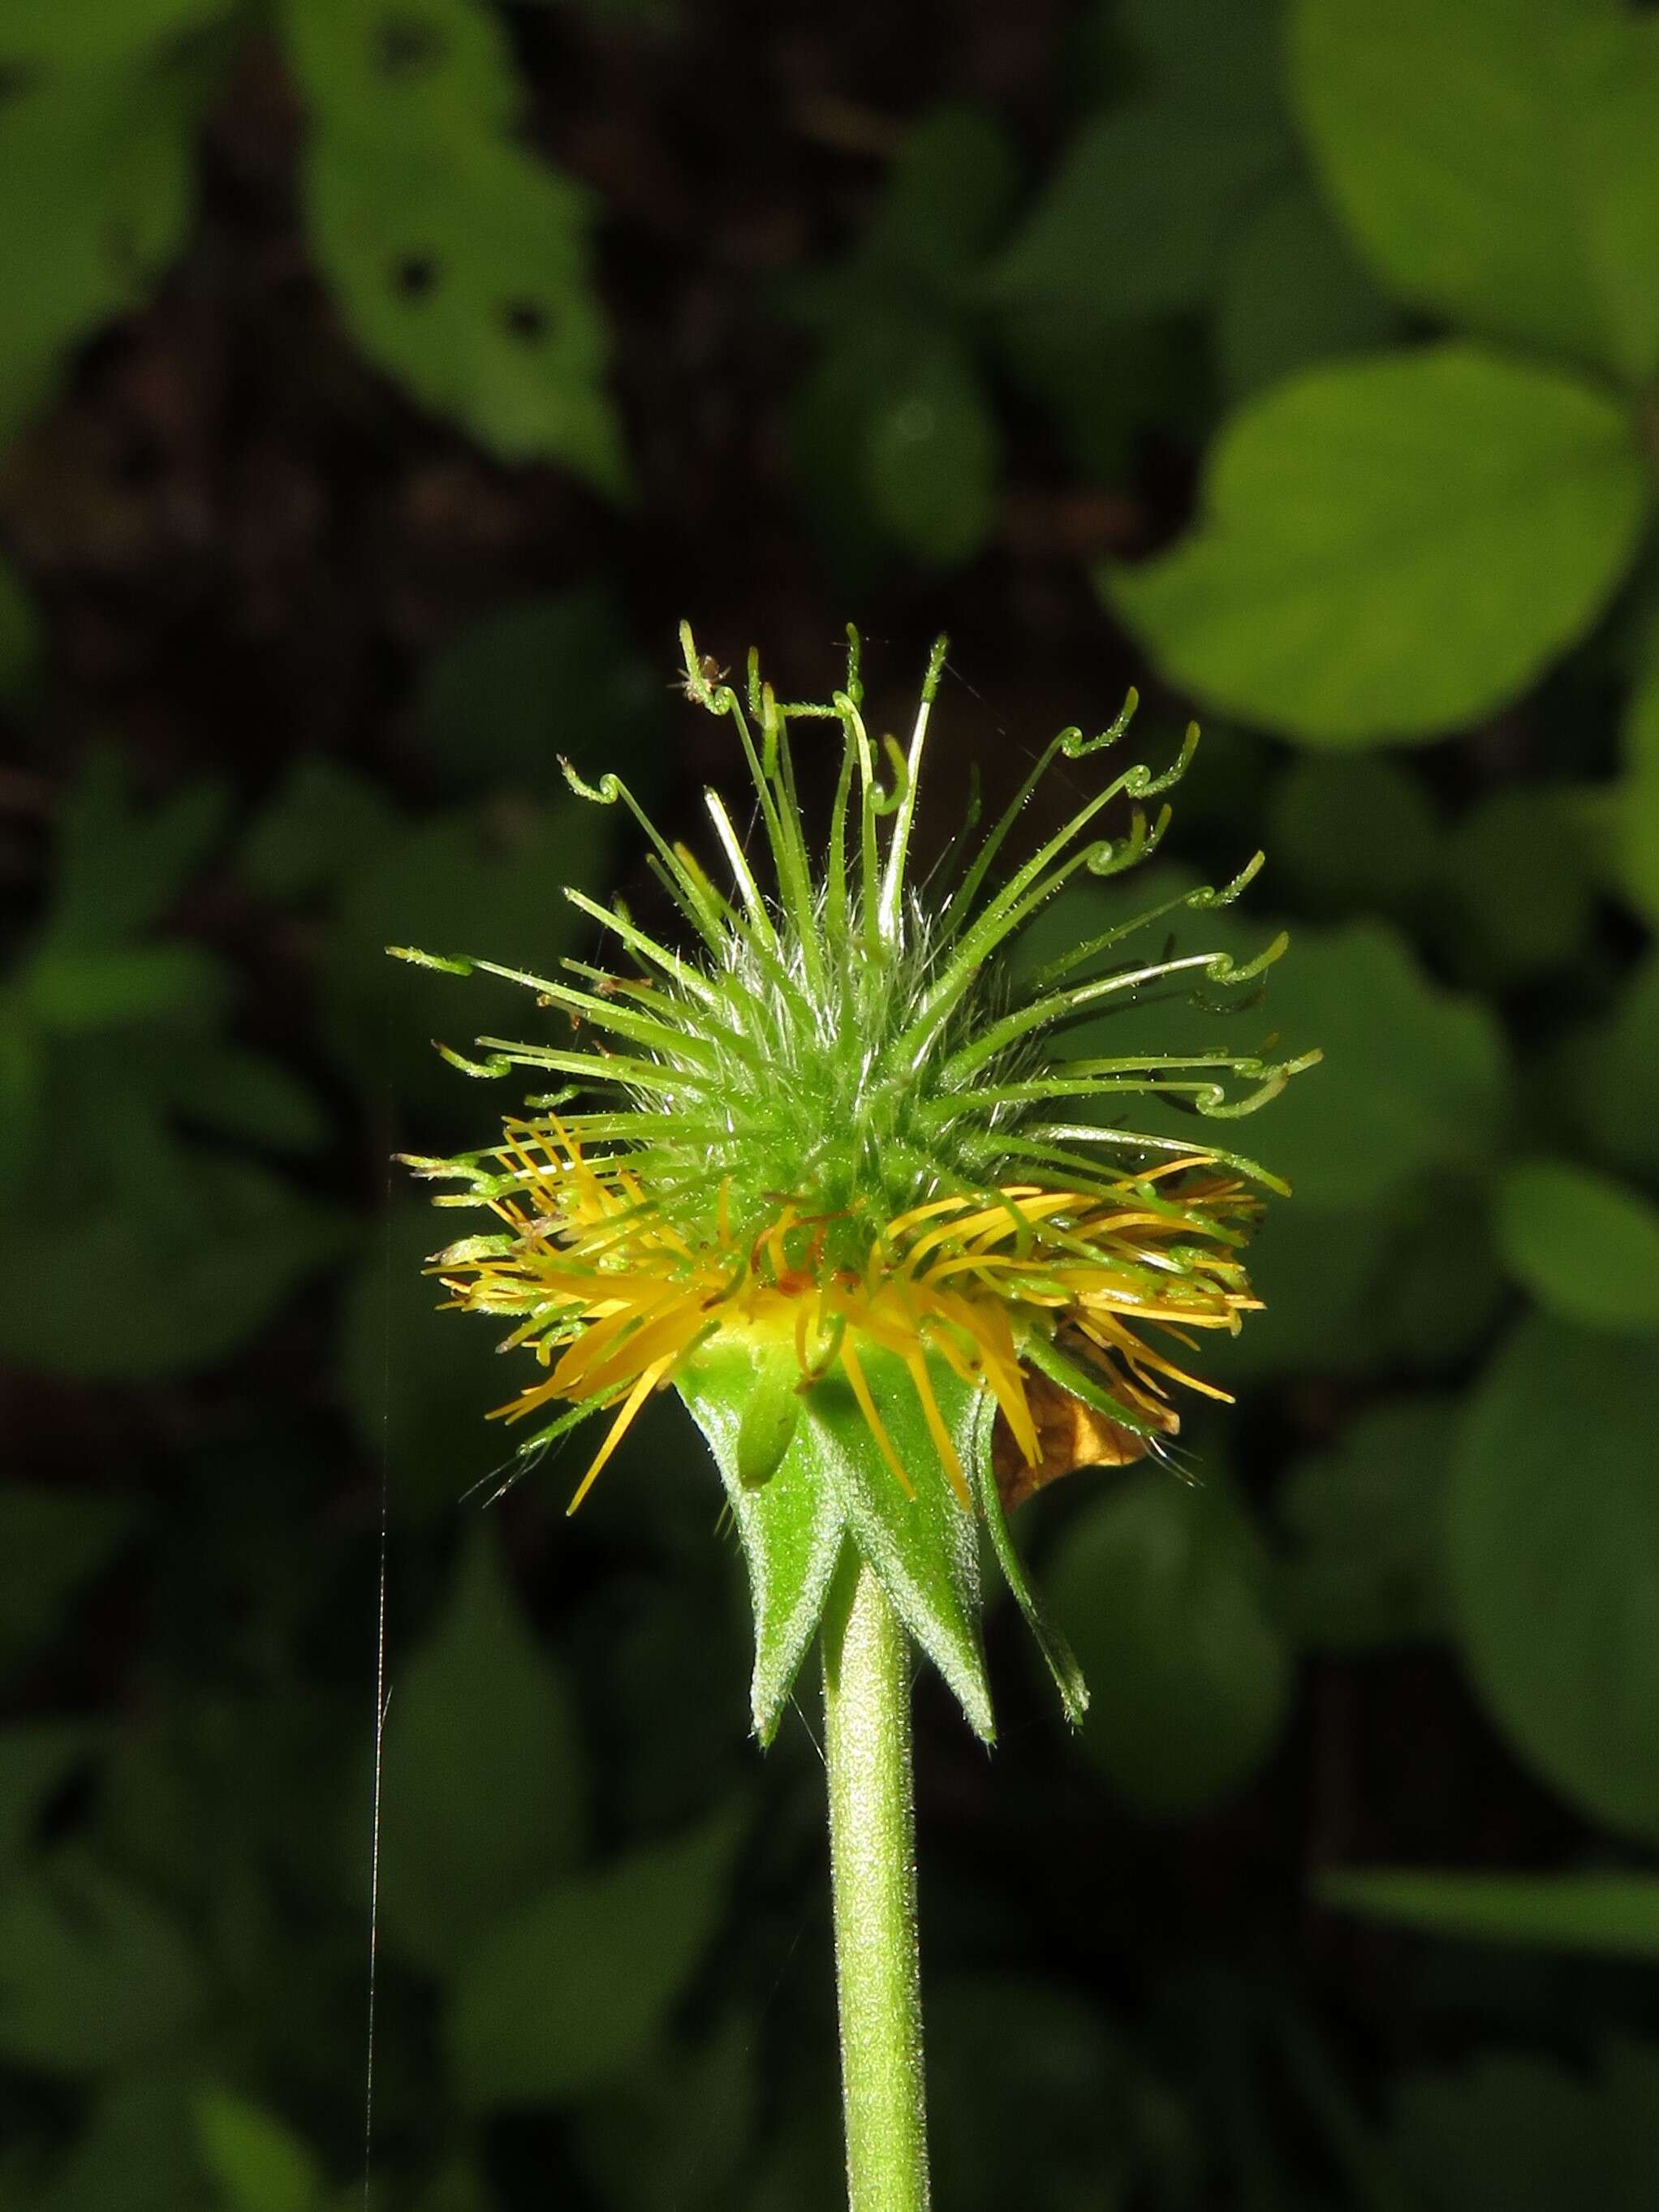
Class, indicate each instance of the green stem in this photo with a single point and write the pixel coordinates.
(866, 1735)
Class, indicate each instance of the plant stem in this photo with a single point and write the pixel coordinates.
(866, 1735)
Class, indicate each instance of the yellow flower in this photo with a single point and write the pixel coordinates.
(822, 1168)
(615, 1299)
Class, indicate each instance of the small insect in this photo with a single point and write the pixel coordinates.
(711, 672)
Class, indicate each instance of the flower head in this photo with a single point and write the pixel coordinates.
(821, 1133)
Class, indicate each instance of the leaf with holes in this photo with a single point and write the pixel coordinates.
(425, 67)
(461, 266)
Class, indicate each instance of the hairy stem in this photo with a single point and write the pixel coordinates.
(867, 1705)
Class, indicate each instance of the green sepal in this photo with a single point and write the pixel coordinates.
(924, 1547)
(790, 1526)
(1056, 1651)
(832, 1480)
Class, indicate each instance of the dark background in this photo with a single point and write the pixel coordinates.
(380, 384)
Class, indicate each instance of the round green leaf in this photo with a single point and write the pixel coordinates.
(1553, 1555)
(932, 456)
(1497, 158)
(1160, 1588)
(1391, 546)
(1585, 1246)
(1353, 830)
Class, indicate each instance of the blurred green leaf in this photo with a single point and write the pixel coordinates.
(1317, 1274)
(1138, 214)
(460, 2188)
(483, 881)
(1610, 1913)
(1353, 830)
(1441, 1288)
(125, 986)
(1367, 1518)
(1612, 1073)
(894, 441)
(1291, 292)
(1514, 2133)
(1554, 1524)
(119, 865)
(1586, 1247)
(90, 34)
(568, 1994)
(483, 1793)
(1389, 546)
(53, 1539)
(1029, 2098)
(1415, 1077)
(243, 1094)
(1499, 159)
(244, 1244)
(93, 1977)
(1136, 218)
(946, 196)
(1161, 1588)
(417, 1382)
(36, 1757)
(257, 2162)
(22, 1094)
(1107, 382)
(678, 2132)
(461, 267)
(441, 68)
(325, 822)
(95, 175)
(1637, 831)
(135, 2153)
(1519, 868)
(20, 638)
(932, 455)
(507, 694)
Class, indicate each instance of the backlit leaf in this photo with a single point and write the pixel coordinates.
(1389, 546)
(1554, 1528)
(1585, 1246)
